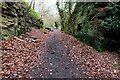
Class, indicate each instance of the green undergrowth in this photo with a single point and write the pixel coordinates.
(91, 41)
(35, 14)
(25, 3)
(31, 11)
(95, 24)
(114, 65)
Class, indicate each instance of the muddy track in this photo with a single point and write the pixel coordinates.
(56, 63)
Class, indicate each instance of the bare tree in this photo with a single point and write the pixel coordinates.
(32, 5)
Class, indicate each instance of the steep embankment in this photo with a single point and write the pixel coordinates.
(93, 23)
(96, 64)
(16, 19)
(41, 54)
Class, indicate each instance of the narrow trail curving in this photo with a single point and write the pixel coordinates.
(56, 63)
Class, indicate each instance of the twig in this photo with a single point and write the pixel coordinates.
(19, 39)
(5, 49)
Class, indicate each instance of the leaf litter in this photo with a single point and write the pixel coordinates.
(22, 53)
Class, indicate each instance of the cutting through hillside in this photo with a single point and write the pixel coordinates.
(59, 39)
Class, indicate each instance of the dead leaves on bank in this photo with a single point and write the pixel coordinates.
(95, 64)
(19, 54)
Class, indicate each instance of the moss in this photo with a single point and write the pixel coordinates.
(114, 65)
(1, 37)
(119, 50)
(35, 14)
(17, 25)
(31, 11)
(25, 3)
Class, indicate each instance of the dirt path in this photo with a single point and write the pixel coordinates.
(41, 54)
(56, 62)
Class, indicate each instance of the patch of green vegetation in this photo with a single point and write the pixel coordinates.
(91, 40)
(25, 3)
(119, 50)
(31, 11)
(95, 24)
(114, 65)
(1, 37)
(100, 49)
(111, 27)
(35, 14)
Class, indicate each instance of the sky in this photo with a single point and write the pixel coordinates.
(49, 5)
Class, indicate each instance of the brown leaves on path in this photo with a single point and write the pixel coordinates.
(20, 54)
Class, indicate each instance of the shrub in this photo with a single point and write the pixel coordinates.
(111, 26)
